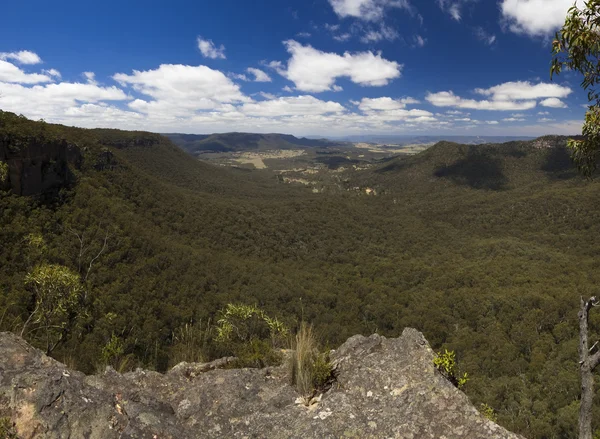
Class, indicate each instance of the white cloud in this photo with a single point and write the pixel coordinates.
(288, 89)
(483, 35)
(453, 7)
(510, 96)
(209, 50)
(535, 17)
(316, 71)
(177, 89)
(11, 73)
(545, 113)
(545, 119)
(553, 103)
(54, 101)
(492, 122)
(22, 57)
(513, 119)
(259, 75)
(291, 106)
(239, 76)
(525, 90)
(267, 95)
(52, 72)
(342, 37)
(303, 35)
(368, 10)
(383, 33)
(420, 41)
(90, 77)
(449, 99)
(385, 103)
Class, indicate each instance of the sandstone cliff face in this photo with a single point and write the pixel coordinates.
(37, 167)
(387, 388)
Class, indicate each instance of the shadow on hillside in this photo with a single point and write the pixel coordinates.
(334, 162)
(558, 164)
(478, 170)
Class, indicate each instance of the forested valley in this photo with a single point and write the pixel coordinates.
(485, 249)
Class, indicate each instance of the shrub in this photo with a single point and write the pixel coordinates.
(7, 429)
(248, 333)
(446, 364)
(3, 172)
(310, 370)
(488, 412)
(191, 343)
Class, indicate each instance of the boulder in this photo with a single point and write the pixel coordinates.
(385, 388)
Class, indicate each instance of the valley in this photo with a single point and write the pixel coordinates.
(484, 248)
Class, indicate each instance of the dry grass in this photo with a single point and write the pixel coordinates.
(190, 343)
(310, 370)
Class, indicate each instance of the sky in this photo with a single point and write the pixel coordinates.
(305, 67)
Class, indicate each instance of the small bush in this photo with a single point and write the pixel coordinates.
(3, 172)
(310, 370)
(191, 343)
(248, 333)
(488, 412)
(446, 364)
(7, 429)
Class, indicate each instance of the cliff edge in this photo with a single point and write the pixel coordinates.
(386, 388)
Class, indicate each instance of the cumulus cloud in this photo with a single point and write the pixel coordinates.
(385, 103)
(54, 100)
(510, 96)
(291, 106)
(449, 99)
(368, 10)
(535, 17)
(316, 71)
(13, 74)
(22, 57)
(259, 75)
(52, 72)
(177, 89)
(209, 50)
(553, 103)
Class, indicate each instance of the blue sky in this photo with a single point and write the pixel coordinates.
(310, 67)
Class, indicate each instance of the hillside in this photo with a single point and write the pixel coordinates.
(230, 142)
(484, 249)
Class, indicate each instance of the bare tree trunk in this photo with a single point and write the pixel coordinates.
(587, 364)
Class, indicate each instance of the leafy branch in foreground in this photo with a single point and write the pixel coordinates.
(446, 363)
(576, 47)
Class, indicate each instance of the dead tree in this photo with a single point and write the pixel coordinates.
(587, 363)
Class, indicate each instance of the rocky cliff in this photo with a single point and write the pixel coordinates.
(37, 167)
(386, 388)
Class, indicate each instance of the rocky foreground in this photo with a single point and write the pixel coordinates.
(386, 388)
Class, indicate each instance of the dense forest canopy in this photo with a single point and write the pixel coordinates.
(486, 249)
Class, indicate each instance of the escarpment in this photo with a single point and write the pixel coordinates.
(38, 166)
(386, 388)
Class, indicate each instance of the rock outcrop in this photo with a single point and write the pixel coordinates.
(37, 167)
(386, 388)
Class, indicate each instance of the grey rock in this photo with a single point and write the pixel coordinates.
(386, 388)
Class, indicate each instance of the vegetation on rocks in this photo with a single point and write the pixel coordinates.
(485, 249)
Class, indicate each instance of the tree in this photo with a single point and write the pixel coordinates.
(577, 47)
(57, 295)
(587, 364)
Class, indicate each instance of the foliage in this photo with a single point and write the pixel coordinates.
(577, 48)
(249, 334)
(191, 343)
(488, 412)
(490, 265)
(113, 350)
(310, 370)
(57, 299)
(446, 363)
(7, 429)
(3, 172)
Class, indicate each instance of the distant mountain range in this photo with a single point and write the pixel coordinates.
(409, 140)
(231, 142)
